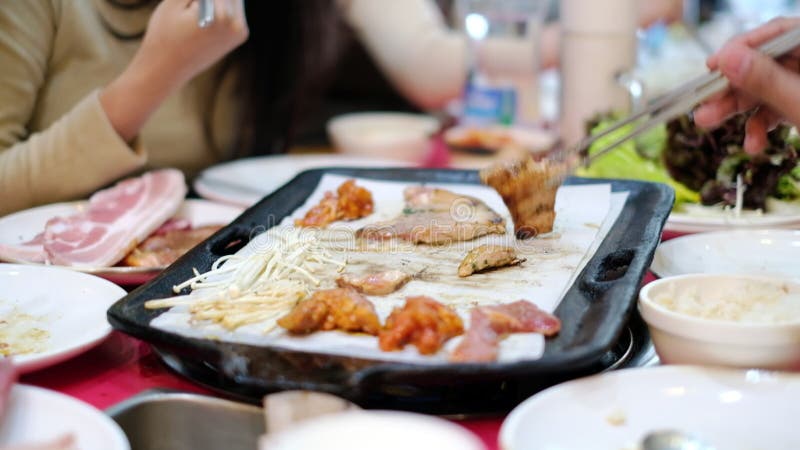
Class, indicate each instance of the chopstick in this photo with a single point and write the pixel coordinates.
(676, 102)
(206, 13)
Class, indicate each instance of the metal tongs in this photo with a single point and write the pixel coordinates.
(206, 13)
(671, 105)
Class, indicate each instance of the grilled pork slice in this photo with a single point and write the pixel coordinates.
(528, 189)
(332, 309)
(161, 250)
(26, 252)
(487, 257)
(380, 283)
(423, 322)
(437, 216)
(488, 324)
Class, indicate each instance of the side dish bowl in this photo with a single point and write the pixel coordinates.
(724, 320)
(401, 136)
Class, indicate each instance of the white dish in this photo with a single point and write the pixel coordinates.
(368, 430)
(699, 218)
(394, 135)
(729, 409)
(742, 321)
(754, 252)
(38, 416)
(246, 181)
(23, 226)
(70, 307)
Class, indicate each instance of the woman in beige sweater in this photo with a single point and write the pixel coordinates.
(87, 96)
(83, 99)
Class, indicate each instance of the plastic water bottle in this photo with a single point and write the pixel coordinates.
(503, 43)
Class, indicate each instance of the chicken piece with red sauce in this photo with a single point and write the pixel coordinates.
(423, 322)
(332, 309)
(380, 283)
(488, 325)
(350, 202)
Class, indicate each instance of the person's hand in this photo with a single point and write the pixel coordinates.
(174, 50)
(175, 47)
(757, 82)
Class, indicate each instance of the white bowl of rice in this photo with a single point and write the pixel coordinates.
(724, 320)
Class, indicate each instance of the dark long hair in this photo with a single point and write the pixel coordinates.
(280, 71)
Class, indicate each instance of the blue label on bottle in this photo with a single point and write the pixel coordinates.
(490, 104)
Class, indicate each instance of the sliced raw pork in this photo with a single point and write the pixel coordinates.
(488, 325)
(26, 252)
(116, 220)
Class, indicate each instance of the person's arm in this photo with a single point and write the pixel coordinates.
(773, 87)
(427, 62)
(93, 143)
(412, 45)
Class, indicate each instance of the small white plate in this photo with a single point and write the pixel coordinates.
(54, 312)
(752, 252)
(699, 219)
(729, 409)
(25, 225)
(38, 416)
(246, 181)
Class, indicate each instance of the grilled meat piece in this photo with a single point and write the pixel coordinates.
(332, 309)
(488, 324)
(380, 283)
(528, 189)
(423, 322)
(349, 203)
(164, 249)
(487, 257)
(437, 216)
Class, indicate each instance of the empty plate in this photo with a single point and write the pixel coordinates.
(726, 408)
(754, 252)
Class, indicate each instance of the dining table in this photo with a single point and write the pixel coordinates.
(122, 366)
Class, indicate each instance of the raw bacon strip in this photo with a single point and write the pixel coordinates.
(489, 323)
(8, 375)
(26, 252)
(116, 220)
(65, 442)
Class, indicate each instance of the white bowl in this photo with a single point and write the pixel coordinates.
(368, 430)
(399, 136)
(725, 320)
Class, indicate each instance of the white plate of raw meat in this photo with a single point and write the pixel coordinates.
(49, 314)
(21, 227)
(39, 419)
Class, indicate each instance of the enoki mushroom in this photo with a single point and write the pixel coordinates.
(260, 287)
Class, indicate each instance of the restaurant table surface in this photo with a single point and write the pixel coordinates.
(122, 366)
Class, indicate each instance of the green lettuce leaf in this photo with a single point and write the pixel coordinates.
(625, 162)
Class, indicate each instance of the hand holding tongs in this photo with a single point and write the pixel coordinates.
(673, 104)
(206, 13)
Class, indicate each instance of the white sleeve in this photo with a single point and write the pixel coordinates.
(424, 59)
(412, 45)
